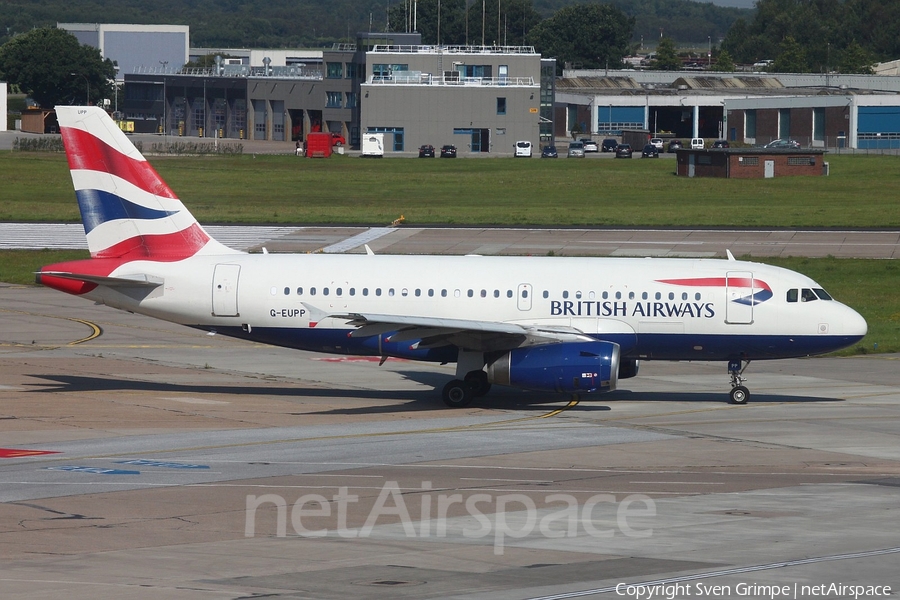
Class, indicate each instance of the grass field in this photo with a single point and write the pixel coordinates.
(869, 286)
(862, 192)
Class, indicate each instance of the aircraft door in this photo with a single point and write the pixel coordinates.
(739, 298)
(523, 296)
(224, 291)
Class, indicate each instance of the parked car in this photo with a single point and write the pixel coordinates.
(697, 144)
(448, 151)
(675, 145)
(426, 151)
(590, 145)
(650, 151)
(523, 148)
(549, 152)
(608, 145)
(720, 144)
(623, 151)
(576, 150)
(776, 144)
(337, 139)
(657, 143)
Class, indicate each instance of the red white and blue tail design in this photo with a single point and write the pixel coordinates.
(128, 211)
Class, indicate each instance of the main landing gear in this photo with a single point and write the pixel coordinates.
(459, 393)
(739, 393)
(471, 380)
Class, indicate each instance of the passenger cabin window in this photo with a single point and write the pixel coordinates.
(287, 291)
(793, 295)
(299, 291)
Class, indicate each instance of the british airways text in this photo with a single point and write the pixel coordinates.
(609, 308)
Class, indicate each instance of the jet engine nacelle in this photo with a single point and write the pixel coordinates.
(569, 367)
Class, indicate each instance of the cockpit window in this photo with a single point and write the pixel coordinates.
(793, 295)
(822, 294)
(807, 295)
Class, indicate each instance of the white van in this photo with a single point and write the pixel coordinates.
(372, 145)
(697, 144)
(523, 148)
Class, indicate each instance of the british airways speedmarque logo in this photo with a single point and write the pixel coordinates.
(758, 290)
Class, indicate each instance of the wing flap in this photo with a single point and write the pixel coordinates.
(433, 332)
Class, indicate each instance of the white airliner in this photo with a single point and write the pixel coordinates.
(570, 325)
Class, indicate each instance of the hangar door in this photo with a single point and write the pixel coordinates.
(878, 127)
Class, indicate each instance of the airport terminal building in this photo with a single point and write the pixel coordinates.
(480, 99)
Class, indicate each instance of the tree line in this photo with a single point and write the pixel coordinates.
(314, 23)
(795, 35)
(817, 36)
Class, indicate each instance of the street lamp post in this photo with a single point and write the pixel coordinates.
(88, 82)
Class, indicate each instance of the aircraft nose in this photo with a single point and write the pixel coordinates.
(853, 323)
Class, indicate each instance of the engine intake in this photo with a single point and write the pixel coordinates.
(569, 367)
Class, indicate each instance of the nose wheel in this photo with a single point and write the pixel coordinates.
(739, 393)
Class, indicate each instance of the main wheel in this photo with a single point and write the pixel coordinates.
(457, 394)
(739, 395)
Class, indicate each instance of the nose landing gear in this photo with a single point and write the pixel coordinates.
(739, 393)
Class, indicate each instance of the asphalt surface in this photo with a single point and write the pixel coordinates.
(192, 466)
(697, 243)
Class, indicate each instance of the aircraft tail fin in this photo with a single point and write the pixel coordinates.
(127, 209)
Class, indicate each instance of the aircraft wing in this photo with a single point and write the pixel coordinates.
(483, 336)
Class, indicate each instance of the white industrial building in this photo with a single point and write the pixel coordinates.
(135, 47)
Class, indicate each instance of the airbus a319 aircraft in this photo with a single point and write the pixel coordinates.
(569, 325)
